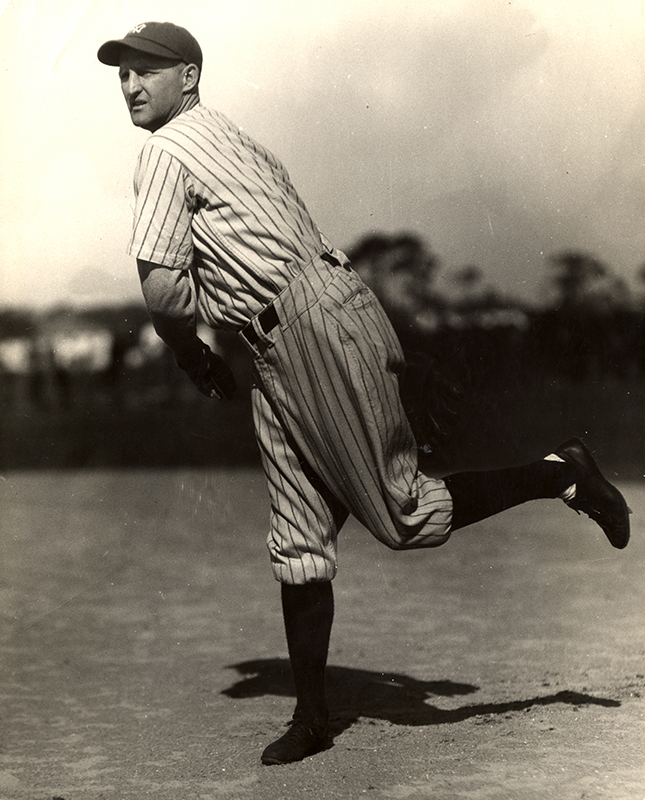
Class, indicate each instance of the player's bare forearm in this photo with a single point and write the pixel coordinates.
(170, 301)
(171, 304)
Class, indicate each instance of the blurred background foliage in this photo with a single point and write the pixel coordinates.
(96, 387)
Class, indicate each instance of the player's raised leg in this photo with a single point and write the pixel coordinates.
(570, 473)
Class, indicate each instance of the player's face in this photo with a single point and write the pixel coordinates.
(153, 88)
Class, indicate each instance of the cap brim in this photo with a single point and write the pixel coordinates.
(110, 52)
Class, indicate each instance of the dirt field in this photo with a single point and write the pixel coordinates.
(143, 653)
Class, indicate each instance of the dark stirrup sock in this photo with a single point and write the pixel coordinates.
(308, 615)
(477, 495)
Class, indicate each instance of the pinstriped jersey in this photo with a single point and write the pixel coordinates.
(211, 200)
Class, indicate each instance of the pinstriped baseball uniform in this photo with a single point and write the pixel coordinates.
(212, 200)
(333, 436)
(332, 431)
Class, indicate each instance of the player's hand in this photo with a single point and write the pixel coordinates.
(215, 379)
(211, 375)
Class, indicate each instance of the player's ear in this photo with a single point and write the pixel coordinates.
(191, 78)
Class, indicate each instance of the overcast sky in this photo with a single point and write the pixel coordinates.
(501, 131)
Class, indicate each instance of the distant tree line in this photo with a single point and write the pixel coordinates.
(591, 326)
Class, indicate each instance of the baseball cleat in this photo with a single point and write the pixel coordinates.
(300, 741)
(595, 496)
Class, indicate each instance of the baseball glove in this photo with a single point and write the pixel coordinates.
(431, 398)
(210, 374)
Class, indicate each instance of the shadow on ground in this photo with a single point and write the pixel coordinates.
(389, 696)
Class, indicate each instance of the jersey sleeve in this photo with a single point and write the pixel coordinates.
(162, 217)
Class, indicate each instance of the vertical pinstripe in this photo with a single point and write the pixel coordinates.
(332, 433)
(211, 199)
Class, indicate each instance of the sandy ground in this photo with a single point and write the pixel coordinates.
(143, 653)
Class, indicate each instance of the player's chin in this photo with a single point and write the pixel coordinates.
(142, 118)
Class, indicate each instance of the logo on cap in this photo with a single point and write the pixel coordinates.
(138, 28)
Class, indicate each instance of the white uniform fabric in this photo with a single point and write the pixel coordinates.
(332, 432)
(211, 200)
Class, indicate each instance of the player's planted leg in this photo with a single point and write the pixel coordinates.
(308, 615)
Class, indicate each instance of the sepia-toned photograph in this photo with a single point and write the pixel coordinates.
(322, 400)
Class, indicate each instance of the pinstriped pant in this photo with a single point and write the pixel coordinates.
(332, 432)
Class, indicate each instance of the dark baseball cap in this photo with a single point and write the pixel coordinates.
(156, 38)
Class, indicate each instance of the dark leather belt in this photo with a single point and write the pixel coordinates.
(268, 317)
(330, 259)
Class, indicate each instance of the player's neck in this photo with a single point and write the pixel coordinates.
(189, 101)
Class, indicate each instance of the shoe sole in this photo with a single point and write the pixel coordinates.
(268, 761)
(272, 761)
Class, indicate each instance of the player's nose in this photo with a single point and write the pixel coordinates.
(131, 84)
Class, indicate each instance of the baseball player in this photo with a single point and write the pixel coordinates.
(220, 231)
